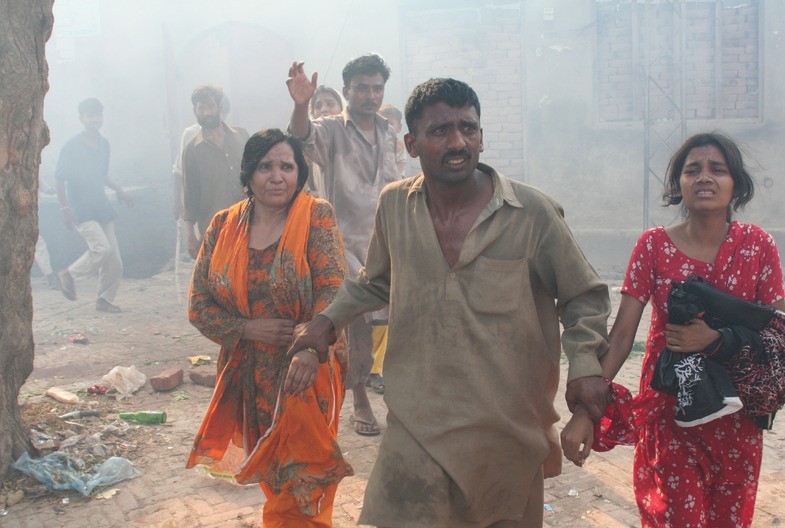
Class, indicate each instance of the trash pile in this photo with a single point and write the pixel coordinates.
(84, 438)
(62, 471)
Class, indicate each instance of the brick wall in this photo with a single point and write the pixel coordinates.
(482, 47)
(720, 82)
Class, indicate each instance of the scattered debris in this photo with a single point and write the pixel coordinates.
(79, 414)
(125, 380)
(62, 395)
(62, 471)
(200, 360)
(79, 339)
(14, 498)
(92, 440)
(108, 494)
(42, 440)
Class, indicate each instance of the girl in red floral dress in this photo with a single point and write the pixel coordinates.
(707, 475)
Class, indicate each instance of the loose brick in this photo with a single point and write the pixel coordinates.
(204, 376)
(167, 380)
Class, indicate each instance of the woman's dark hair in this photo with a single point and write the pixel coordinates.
(743, 186)
(259, 145)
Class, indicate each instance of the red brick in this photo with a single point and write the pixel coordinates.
(204, 376)
(167, 380)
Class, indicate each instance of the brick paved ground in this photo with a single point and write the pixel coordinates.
(152, 334)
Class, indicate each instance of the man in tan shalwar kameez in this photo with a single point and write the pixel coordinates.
(479, 270)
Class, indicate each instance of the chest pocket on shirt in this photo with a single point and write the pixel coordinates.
(496, 286)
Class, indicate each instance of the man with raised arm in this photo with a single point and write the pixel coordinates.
(355, 151)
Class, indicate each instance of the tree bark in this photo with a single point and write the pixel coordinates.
(25, 26)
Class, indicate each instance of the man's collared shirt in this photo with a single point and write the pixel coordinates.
(211, 176)
(354, 173)
(473, 354)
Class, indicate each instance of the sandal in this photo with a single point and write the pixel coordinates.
(358, 423)
(376, 383)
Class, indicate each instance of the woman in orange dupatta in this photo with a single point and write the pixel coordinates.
(267, 264)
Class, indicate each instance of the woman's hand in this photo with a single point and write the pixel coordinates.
(694, 336)
(302, 371)
(277, 332)
(577, 437)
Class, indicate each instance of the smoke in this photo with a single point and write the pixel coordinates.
(547, 74)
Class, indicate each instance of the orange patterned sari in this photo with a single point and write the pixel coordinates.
(288, 442)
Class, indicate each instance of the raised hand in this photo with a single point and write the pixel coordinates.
(301, 89)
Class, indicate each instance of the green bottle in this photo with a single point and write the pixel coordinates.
(153, 417)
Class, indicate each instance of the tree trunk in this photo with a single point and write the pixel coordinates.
(25, 26)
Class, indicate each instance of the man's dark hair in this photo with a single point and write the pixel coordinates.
(366, 65)
(90, 105)
(743, 186)
(205, 94)
(259, 145)
(457, 94)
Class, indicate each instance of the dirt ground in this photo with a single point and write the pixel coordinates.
(153, 334)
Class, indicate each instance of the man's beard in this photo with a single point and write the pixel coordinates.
(209, 122)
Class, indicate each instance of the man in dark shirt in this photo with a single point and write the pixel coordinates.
(211, 165)
(82, 173)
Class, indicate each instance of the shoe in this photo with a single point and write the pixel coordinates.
(67, 285)
(102, 305)
(376, 383)
(360, 425)
(53, 281)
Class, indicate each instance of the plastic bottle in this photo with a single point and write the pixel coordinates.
(154, 417)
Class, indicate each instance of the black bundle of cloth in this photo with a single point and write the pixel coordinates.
(743, 368)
